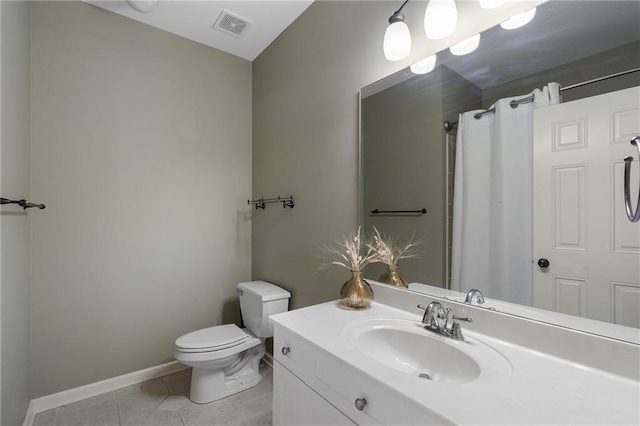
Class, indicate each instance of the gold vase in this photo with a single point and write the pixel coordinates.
(393, 277)
(356, 293)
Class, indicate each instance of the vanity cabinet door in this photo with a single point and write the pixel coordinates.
(360, 398)
(296, 404)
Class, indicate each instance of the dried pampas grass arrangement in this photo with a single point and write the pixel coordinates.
(390, 253)
(356, 293)
(348, 252)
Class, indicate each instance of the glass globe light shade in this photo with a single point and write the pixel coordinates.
(397, 41)
(440, 19)
(143, 6)
(466, 46)
(424, 66)
(519, 20)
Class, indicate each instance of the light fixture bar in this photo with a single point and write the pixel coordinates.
(399, 11)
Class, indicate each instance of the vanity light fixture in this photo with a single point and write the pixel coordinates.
(492, 4)
(424, 66)
(144, 6)
(397, 38)
(466, 46)
(519, 20)
(440, 18)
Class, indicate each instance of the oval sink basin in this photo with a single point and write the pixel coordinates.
(420, 356)
(408, 348)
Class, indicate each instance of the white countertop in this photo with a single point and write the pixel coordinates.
(541, 389)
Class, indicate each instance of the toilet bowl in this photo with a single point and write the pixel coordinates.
(226, 358)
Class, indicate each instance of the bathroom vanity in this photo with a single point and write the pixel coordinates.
(380, 366)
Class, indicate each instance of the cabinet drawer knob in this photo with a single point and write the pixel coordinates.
(285, 350)
(361, 403)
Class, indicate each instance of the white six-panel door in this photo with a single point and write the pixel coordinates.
(580, 225)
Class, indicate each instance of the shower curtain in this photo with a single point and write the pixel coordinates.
(493, 199)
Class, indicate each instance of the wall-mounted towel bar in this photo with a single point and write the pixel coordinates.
(261, 203)
(22, 203)
(633, 216)
(419, 212)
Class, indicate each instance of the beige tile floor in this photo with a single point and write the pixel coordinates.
(165, 402)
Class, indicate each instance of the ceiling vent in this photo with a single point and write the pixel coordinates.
(232, 24)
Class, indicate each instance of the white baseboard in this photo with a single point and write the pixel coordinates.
(69, 396)
(30, 415)
(49, 402)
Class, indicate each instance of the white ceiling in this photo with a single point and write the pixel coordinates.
(194, 20)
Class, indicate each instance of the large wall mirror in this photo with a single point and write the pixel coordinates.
(513, 182)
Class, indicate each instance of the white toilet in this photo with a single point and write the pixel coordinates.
(225, 358)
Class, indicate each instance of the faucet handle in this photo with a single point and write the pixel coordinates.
(456, 330)
(467, 320)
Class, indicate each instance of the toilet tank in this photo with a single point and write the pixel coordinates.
(258, 300)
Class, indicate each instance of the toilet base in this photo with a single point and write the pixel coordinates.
(211, 385)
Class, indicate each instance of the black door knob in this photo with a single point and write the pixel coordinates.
(543, 263)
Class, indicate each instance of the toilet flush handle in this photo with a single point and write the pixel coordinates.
(285, 350)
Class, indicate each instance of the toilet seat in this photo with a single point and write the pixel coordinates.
(217, 353)
(212, 339)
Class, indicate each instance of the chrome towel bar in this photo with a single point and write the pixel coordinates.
(419, 212)
(22, 203)
(633, 216)
(261, 203)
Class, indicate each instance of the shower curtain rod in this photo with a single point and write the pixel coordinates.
(595, 80)
(449, 125)
(515, 103)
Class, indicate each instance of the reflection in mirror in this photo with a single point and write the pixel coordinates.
(508, 186)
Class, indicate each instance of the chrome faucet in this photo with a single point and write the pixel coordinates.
(439, 320)
(474, 292)
(432, 314)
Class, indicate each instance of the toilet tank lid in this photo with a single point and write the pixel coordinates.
(266, 291)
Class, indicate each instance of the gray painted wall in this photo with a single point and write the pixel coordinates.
(305, 126)
(14, 183)
(141, 149)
